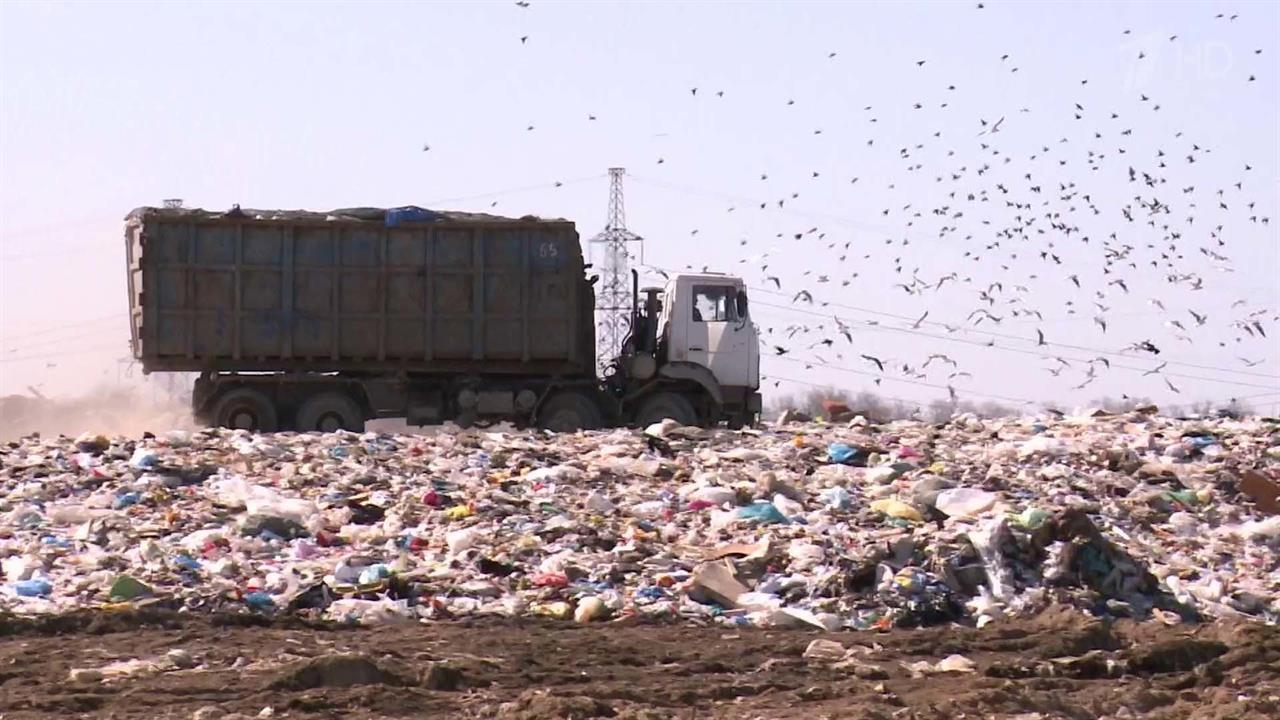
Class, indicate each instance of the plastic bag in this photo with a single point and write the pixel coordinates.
(964, 502)
(761, 512)
(260, 500)
(897, 509)
(843, 454)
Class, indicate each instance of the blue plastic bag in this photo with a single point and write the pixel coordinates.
(843, 454)
(259, 600)
(32, 588)
(124, 500)
(762, 512)
(410, 213)
(186, 562)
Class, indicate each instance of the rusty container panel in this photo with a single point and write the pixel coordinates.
(472, 294)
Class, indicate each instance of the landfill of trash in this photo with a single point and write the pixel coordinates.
(850, 525)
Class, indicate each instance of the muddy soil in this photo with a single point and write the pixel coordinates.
(1058, 665)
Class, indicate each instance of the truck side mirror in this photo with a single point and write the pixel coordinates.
(741, 301)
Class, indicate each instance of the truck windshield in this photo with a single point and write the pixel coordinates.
(714, 303)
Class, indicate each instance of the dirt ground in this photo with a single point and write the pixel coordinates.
(1058, 665)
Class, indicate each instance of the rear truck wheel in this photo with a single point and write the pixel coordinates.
(245, 409)
(330, 411)
(666, 405)
(569, 411)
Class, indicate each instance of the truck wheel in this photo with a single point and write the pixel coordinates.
(666, 405)
(245, 409)
(328, 412)
(569, 411)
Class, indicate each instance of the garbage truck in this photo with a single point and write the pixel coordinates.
(305, 321)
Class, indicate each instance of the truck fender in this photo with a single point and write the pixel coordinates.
(700, 374)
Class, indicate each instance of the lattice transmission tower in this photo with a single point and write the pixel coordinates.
(610, 254)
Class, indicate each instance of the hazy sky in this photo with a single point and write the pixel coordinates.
(105, 107)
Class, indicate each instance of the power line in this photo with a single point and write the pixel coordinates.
(69, 225)
(1021, 351)
(25, 346)
(908, 381)
(1258, 395)
(1082, 318)
(921, 406)
(59, 328)
(513, 191)
(1006, 336)
(78, 248)
(81, 351)
(826, 386)
(869, 227)
(1019, 338)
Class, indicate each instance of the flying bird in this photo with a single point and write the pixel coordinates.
(1155, 370)
(940, 357)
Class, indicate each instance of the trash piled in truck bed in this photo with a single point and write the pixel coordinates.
(834, 526)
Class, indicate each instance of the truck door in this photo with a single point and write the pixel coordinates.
(717, 338)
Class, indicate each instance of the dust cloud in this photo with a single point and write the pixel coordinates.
(107, 411)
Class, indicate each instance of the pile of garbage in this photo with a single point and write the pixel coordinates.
(850, 525)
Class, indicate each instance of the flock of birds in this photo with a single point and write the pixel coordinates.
(1005, 203)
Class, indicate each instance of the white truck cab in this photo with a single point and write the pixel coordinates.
(705, 322)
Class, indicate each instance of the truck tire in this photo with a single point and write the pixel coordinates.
(666, 405)
(245, 409)
(569, 411)
(330, 411)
